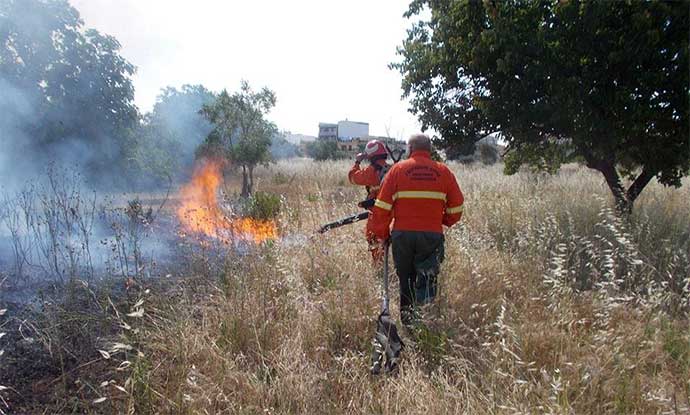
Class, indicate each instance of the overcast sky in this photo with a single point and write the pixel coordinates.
(326, 60)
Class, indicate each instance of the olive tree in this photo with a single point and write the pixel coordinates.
(241, 133)
(599, 81)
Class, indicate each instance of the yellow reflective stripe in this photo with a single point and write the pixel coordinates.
(383, 205)
(419, 194)
(456, 209)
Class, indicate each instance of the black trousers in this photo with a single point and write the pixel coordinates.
(418, 257)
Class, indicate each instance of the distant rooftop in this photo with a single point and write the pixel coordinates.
(355, 122)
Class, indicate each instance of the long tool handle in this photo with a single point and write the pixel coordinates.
(386, 244)
(344, 221)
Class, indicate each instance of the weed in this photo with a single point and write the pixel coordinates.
(280, 179)
(262, 206)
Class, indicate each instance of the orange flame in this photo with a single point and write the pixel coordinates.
(200, 212)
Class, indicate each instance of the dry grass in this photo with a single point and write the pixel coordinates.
(548, 303)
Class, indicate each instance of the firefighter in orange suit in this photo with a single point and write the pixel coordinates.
(375, 152)
(420, 196)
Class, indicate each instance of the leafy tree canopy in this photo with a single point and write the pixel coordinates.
(63, 84)
(241, 133)
(174, 129)
(603, 81)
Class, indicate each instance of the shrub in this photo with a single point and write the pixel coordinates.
(262, 206)
(324, 150)
(488, 154)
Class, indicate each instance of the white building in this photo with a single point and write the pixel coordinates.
(347, 130)
(343, 130)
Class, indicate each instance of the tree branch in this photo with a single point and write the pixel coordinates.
(639, 184)
(613, 180)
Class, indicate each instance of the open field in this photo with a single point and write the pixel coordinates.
(548, 303)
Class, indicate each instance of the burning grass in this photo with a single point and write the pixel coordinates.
(200, 211)
(549, 303)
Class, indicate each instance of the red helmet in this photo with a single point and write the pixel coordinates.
(375, 148)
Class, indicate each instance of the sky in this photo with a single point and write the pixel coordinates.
(326, 60)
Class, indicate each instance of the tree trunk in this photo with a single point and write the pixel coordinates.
(625, 199)
(639, 184)
(613, 180)
(245, 183)
(251, 179)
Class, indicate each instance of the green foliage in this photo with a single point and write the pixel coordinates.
(154, 154)
(432, 344)
(463, 151)
(435, 155)
(262, 206)
(322, 150)
(240, 131)
(607, 81)
(488, 154)
(677, 346)
(163, 146)
(65, 89)
(546, 157)
(142, 394)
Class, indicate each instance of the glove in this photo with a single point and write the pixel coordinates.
(360, 157)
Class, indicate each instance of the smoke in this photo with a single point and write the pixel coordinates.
(177, 126)
(23, 158)
(53, 230)
(70, 131)
(178, 111)
(16, 112)
(69, 136)
(282, 149)
(66, 95)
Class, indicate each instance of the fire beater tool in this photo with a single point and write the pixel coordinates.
(344, 221)
(387, 343)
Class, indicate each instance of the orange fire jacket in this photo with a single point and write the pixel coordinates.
(420, 194)
(369, 177)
